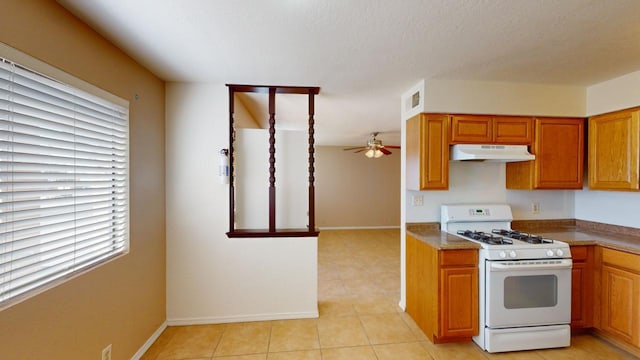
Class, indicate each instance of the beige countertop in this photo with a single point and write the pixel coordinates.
(628, 241)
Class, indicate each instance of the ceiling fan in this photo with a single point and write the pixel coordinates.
(374, 147)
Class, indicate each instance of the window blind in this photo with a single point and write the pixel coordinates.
(63, 180)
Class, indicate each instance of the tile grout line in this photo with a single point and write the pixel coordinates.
(270, 337)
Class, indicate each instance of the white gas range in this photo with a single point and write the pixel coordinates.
(525, 280)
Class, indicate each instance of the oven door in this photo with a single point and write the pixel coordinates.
(528, 292)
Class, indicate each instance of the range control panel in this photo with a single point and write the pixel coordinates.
(479, 212)
(474, 213)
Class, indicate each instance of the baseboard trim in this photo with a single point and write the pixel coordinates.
(358, 227)
(149, 342)
(241, 318)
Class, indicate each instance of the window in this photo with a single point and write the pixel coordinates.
(63, 181)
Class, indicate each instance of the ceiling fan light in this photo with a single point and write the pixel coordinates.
(369, 153)
(377, 154)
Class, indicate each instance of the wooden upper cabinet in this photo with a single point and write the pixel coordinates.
(614, 150)
(482, 129)
(558, 145)
(475, 129)
(428, 152)
(514, 130)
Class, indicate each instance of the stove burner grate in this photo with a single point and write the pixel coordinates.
(485, 237)
(522, 236)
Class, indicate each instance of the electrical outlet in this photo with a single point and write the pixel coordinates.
(106, 353)
(417, 200)
(535, 207)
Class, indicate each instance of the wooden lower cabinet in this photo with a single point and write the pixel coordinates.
(442, 291)
(582, 292)
(459, 291)
(620, 295)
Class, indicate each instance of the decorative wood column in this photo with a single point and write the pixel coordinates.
(232, 140)
(272, 159)
(312, 196)
(272, 231)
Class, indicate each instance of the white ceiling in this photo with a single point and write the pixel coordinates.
(365, 53)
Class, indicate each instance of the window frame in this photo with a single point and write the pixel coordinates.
(37, 66)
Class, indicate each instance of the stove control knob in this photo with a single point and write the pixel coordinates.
(502, 254)
(559, 252)
(549, 252)
(512, 254)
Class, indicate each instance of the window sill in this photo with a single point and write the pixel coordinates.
(264, 233)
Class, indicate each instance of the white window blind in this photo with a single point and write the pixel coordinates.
(63, 180)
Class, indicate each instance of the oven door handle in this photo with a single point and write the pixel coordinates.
(531, 265)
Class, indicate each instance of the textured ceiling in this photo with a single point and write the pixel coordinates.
(365, 53)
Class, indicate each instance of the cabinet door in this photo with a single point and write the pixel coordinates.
(459, 302)
(577, 289)
(471, 129)
(559, 150)
(614, 151)
(428, 152)
(512, 130)
(620, 314)
(582, 287)
(558, 145)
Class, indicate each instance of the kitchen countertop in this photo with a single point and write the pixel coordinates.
(430, 234)
(584, 233)
(577, 236)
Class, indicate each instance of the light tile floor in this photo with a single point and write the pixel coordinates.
(358, 290)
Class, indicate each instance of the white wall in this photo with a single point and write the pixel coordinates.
(610, 207)
(484, 182)
(211, 278)
(616, 94)
(618, 208)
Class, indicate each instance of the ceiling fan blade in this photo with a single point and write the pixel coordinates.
(392, 146)
(384, 151)
(361, 150)
(355, 148)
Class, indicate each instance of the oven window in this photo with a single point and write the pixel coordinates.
(533, 291)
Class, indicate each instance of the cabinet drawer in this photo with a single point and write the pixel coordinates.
(513, 130)
(621, 259)
(458, 258)
(471, 129)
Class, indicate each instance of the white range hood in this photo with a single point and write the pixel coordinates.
(486, 152)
